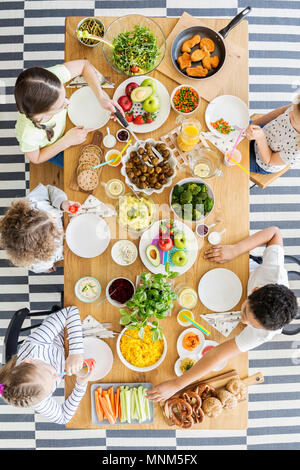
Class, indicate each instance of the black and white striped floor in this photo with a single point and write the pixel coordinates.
(32, 33)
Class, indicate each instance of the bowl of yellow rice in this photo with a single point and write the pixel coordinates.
(141, 356)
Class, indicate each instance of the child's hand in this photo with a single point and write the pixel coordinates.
(163, 391)
(254, 132)
(111, 105)
(73, 363)
(84, 380)
(220, 253)
(71, 207)
(76, 136)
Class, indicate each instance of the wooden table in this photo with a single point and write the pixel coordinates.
(232, 205)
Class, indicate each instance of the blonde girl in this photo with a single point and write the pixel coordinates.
(30, 378)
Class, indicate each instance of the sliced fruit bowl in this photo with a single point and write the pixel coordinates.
(133, 178)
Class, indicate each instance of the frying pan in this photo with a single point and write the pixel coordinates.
(203, 31)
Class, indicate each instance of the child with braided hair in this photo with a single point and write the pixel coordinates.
(31, 231)
(30, 377)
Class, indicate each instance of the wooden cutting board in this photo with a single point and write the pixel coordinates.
(218, 381)
(96, 140)
(213, 86)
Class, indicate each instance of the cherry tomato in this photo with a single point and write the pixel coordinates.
(134, 69)
(73, 209)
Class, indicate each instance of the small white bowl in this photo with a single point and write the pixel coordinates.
(114, 302)
(114, 252)
(182, 352)
(140, 369)
(180, 359)
(176, 110)
(213, 343)
(117, 135)
(83, 299)
(187, 323)
(108, 157)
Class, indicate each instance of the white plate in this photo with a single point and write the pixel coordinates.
(162, 113)
(232, 109)
(85, 110)
(152, 233)
(95, 348)
(87, 235)
(115, 251)
(182, 352)
(213, 343)
(178, 362)
(220, 290)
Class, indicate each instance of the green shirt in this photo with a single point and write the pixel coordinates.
(30, 137)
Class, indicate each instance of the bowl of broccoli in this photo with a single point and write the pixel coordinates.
(192, 199)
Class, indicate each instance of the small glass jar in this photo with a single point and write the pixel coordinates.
(189, 135)
(115, 188)
(187, 297)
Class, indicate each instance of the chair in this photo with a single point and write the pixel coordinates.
(265, 180)
(15, 330)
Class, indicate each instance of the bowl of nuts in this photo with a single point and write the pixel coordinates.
(149, 166)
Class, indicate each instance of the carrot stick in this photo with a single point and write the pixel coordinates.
(98, 406)
(112, 399)
(107, 409)
(117, 401)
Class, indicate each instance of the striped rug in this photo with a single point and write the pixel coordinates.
(32, 33)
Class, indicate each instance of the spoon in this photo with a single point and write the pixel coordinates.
(87, 35)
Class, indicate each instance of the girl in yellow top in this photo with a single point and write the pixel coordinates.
(42, 105)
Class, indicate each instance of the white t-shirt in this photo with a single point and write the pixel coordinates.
(283, 138)
(271, 271)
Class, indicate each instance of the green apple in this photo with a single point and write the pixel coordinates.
(180, 258)
(149, 82)
(151, 104)
(180, 240)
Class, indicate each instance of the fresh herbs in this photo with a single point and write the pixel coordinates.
(153, 299)
(136, 51)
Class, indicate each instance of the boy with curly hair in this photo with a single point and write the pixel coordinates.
(270, 306)
(31, 231)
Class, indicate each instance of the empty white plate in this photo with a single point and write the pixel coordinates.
(220, 290)
(85, 110)
(87, 235)
(232, 109)
(95, 348)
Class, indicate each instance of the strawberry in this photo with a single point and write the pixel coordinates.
(139, 119)
(129, 117)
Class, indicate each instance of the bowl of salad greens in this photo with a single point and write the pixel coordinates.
(138, 45)
(191, 199)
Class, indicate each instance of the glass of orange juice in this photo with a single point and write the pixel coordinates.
(189, 135)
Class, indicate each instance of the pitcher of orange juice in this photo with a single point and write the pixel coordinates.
(189, 134)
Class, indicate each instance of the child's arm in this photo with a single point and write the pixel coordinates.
(224, 253)
(87, 70)
(61, 414)
(75, 136)
(55, 323)
(209, 361)
(262, 120)
(269, 157)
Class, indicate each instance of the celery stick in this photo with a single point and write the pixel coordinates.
(133, 406)
(141, 403)
(147, 406)
(127, 404)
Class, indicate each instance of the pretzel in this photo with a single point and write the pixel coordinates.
(183, 416)
(205, 390)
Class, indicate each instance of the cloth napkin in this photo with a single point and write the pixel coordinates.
(224, 144)
(91, 327)
(95, 206)
(224, 322)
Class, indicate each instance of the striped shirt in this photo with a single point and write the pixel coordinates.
(46, 343)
